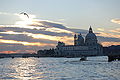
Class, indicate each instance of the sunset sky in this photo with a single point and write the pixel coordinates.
(56, 20)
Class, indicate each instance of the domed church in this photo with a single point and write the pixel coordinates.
(82, 47)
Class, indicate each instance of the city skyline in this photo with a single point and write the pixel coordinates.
(51, 21)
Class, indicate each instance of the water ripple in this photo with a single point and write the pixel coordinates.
(58, 69)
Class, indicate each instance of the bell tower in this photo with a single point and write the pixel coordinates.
(75, 39)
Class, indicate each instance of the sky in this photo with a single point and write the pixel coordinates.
(56, 20)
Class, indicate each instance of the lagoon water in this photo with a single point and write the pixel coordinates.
(95, 68)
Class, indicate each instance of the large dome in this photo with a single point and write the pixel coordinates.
(90, 38)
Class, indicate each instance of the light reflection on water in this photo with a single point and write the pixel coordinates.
(21, 68)
(58, 69)
(25, 68)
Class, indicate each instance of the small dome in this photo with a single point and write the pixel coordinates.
(80, 38)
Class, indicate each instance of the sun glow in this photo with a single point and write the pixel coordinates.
(25, 20)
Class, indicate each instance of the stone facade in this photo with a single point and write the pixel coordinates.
(82, 47)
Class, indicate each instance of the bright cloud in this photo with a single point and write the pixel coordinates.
(10, 32)
(20, 26)
(33, 23)
(5, 13)
(61, 19)
(116, 21)
(24, 43)
(25, 20)
(100, 29)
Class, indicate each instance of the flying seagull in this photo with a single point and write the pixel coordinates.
(25, 14)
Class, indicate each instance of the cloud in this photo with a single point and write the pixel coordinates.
(61, 19)
(116, 21)
(17, 51)
(103, 34)
(115, 30)
(5, 13)
(107, 39)
(7, 52)
(44, 34)
(110, 43)
(45, 26)
(9, 14)
(24, 43)
(100, 29)
(40, 36)
(48, 23)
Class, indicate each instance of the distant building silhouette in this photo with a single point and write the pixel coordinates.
(82, 47)
(112, 50)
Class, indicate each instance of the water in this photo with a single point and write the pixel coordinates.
(59, 69)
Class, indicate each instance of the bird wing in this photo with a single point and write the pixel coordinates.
(24, 14)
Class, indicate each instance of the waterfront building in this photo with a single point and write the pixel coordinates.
(82, 47)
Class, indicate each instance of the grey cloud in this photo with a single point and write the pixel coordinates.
(108, 39)
(15, 47)
(51, 24)
(21, 37)
(78, 30)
